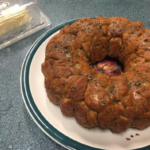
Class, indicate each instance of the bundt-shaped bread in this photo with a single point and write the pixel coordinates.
(113, 102)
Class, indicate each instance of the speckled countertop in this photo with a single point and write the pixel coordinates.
(17, 129)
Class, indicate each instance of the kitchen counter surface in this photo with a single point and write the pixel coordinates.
(17, 129)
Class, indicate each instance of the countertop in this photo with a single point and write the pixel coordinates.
(17, 129)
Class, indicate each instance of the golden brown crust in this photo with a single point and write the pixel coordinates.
(117, 102)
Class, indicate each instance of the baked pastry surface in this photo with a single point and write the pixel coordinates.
(114, 102)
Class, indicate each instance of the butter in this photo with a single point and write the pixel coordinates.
(13, 18)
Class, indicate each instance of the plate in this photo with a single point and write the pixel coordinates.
(62, 129)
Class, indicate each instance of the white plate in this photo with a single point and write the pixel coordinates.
(65, 130)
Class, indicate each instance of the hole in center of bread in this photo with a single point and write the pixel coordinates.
(109, 66)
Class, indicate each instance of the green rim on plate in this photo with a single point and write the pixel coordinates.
(46, 127)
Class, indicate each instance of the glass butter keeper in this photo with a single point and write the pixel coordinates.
(18, 19)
